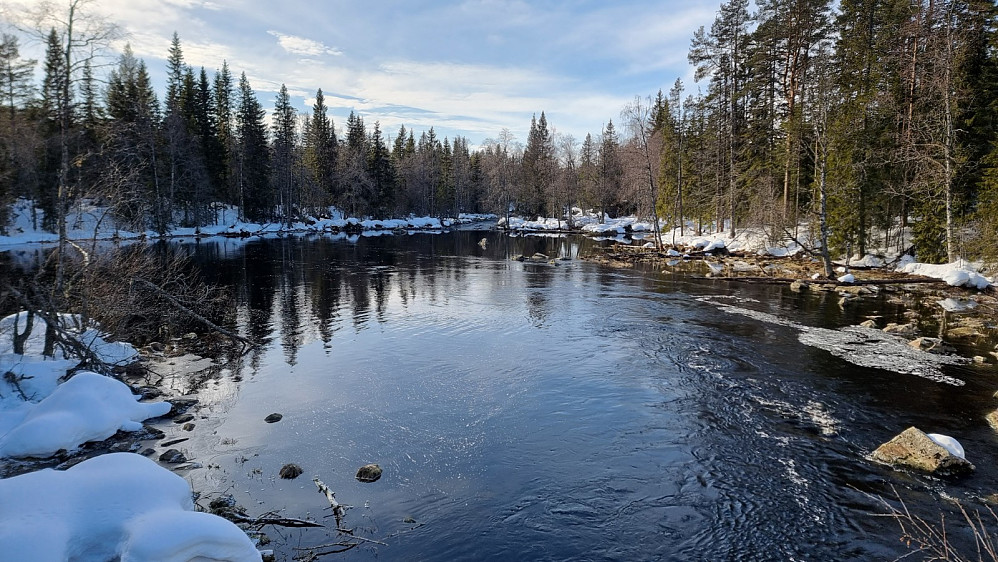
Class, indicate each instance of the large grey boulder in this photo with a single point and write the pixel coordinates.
(914, 449)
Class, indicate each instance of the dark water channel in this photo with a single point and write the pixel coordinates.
(560, 412)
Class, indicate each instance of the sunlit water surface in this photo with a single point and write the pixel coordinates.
(558, 412)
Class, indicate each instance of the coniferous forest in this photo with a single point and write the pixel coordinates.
(876, 118)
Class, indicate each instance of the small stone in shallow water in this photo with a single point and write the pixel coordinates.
(173, 456)
(290, 471)
(183, 418)
(273, 418)
(369, 473)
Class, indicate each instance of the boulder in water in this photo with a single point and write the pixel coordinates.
(290, 471)
(914, 449)
(369, 473)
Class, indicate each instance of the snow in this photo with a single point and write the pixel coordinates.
(87, 221)
(118, 506)
(956, 274)
(951, 304)
(847, 278)
(950, 444)
(112, 353)
(87, 407)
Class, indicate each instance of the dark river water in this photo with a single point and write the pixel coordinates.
(528, 411)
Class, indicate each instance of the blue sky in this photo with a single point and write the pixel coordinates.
(467, 68)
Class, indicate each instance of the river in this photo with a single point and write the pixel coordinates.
(529, 411)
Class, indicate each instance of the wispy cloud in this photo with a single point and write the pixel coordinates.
(302, 46)
(468, 67)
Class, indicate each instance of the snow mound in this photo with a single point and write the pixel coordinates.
(956, 274)
(950, 444)
(118, 506)
(87, 407)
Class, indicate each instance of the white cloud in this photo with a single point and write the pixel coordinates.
(302, 46)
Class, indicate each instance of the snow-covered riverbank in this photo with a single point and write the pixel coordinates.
(109, 507)
(87, 221)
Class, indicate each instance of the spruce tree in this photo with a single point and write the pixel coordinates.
(252, 156)
(284, 155)
(321, 150)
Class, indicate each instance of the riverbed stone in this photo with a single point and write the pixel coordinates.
(907, 330)
(799, 286)
(181, 405)
(183, 418)
(912, 448)
(992, 420)
(932, 345)
(290, 471)
(868, 323)
(273, 418)
(172, 456)
(963, 332)
(369, 473)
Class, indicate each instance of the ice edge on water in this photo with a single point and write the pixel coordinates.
(862, 346)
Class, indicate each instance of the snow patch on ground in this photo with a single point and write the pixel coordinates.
(112, 353)
(956, 274)
(118, 506)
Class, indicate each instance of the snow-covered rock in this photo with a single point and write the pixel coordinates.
(118, 506)
(847, 278)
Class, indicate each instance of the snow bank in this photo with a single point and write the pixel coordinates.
(87, 221)
(87, 407)
(119, 506)
(112, 353)
(956, 274)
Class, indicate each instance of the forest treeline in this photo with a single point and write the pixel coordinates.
(872, 118)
